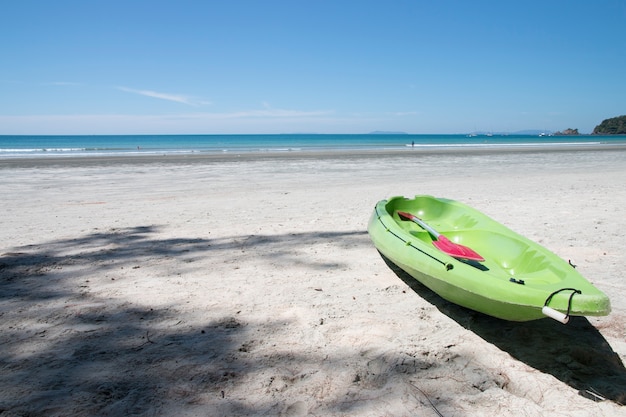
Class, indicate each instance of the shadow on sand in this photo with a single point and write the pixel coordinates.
(70, 348)
(576, 354)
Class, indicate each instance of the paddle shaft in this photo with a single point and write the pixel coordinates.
(442, 243)
(426, 227)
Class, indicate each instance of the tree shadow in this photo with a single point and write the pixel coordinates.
(576, 354)
(66, 350)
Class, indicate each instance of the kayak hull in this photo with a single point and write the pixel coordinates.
(517, 279)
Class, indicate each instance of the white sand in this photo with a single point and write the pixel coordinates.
(250, 287)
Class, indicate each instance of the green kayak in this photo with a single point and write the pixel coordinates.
(473, 261)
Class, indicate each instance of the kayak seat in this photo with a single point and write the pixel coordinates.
(465, 221)
(514, 256)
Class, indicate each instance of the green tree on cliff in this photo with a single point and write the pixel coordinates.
(613, 126)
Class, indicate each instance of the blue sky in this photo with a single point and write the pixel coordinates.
(323, 66)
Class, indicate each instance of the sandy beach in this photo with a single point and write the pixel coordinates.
(248, 286)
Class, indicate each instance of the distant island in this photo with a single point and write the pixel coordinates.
(612, 126)
(567, 132)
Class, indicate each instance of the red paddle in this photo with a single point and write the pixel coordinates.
(443, 243)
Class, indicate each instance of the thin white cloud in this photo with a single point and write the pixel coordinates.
(251, 121)
(405, 113)
(63, 83)
(178, 98)
(270, 113)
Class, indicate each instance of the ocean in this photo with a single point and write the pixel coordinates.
(133, 145)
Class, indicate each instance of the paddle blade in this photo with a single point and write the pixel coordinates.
(443, 243)
(454, 249)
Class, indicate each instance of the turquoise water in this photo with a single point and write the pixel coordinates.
(42, 146)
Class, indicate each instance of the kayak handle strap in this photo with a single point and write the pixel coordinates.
(557, 315)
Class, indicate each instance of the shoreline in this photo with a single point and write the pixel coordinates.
(199, 157)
